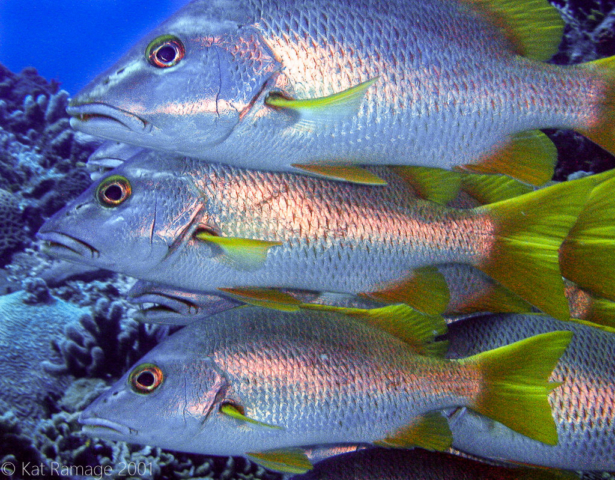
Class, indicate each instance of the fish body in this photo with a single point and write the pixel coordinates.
(450, 89)
(308, 378)
(583, 408)
(201, 226)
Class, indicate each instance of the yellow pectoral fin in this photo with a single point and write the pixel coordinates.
(240, 253)
(529, 157)
(425, 290)
(346, 173)
(233, 412)
(264, 297)
(325, 110)
(416, 329)
(292, 460)
(433, 184)
(429, 431)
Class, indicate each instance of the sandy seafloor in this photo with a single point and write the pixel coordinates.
(66, 336)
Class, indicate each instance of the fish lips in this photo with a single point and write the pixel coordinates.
(67, 247)
(99, 118)
(164, 309)
(101, 427)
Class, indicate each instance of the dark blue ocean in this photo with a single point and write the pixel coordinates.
(73, 40)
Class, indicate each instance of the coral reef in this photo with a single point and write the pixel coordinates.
(30, 320)
(41, 157)
(104, 344)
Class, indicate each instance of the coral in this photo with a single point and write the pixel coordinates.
(104, 344)
(12, 232)
(26, 328)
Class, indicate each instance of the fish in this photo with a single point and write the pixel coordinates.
(583, 407)
(209, 227)
(417, 464)
(324, 87)
(260, 383)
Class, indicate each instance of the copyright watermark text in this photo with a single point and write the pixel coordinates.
(38, 470)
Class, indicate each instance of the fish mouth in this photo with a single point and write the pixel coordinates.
(164, 309)
(96, 426)
(65, 246)
(97, 114)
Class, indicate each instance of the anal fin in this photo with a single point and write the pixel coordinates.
(291, 460)
(346, 173)
(425, 290)
(433, 184)
(429, 431)
(264, 297)
(529, 157)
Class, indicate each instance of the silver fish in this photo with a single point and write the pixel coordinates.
(258, 382)
(310, 84)
(200, 226)
(584, 407)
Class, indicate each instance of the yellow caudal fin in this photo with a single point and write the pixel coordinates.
(529, 230)
(529, 157)
(589, 307)
(602, 129)
(534, 27)
(515, 384)
(587, 256)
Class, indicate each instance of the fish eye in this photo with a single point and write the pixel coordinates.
(165, 51)
(145, 378)
(113, 191)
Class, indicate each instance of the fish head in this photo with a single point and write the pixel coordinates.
(168, 305)
(186, 86)
(167, 399)
(130, 220)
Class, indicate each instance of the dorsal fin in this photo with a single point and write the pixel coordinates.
(534, 27)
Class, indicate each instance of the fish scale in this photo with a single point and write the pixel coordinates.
(583, 407)
(302, 379)
(450, 87)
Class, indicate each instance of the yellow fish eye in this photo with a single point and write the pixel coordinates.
(145, 378)
(165, 51)
(113, 191)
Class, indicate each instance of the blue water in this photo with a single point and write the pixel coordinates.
(74, 40)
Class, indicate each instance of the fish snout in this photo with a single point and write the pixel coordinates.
(99, 116)
(96, 426)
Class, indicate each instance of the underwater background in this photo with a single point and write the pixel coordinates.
(66, 332)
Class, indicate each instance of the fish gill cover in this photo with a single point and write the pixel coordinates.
(42, 167)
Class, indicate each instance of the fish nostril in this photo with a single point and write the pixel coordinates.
(115, 393)
(120, 71)
(106, 81)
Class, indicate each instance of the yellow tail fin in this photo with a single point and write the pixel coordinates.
(587, 256)
(602, 130)
(529, 231)
(516, 385)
